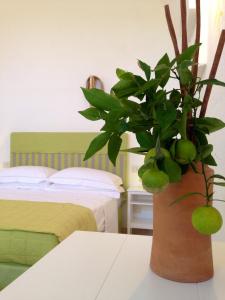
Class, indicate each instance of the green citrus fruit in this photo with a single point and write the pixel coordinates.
(207, 220)
(152, 153)
(185, 152)
(154, 180)
(143, 169)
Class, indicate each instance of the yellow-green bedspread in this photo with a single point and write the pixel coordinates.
(60, 219)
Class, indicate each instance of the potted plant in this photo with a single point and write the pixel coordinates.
(171, 129)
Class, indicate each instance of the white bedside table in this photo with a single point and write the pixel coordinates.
(139, 209)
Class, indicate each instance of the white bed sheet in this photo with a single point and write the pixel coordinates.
(104, 208)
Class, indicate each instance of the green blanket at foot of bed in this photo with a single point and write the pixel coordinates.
(9, 272)
(28, 230)
(25, 248)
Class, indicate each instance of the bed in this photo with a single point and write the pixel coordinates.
(58, 151)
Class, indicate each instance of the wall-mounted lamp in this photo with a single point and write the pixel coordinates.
(94, 82)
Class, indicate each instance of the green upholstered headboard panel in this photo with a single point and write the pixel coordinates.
(62, 150)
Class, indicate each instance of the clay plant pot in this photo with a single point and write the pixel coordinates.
(179, 252)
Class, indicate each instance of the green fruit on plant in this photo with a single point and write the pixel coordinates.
(152, 153)
(154, 180)
(207, 220)
(143, 169)
(185, 152)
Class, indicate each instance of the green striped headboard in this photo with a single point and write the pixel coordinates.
(61, 150)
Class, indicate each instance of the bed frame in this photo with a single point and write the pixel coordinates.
(61, 150)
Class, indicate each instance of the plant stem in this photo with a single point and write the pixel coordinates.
(206, 184)
(184, 126)
(175, 73)
(169, 92)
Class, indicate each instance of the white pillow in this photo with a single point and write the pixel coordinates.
(27, 174)
(85, 184)
(71, 175)
(24, 185)
(76, 189)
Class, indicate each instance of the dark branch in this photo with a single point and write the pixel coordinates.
(171, 30)
(197, 41)
(183, 9)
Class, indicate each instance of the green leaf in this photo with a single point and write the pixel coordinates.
(97, 143)
(186, 63)
(115, 126)
(162, 70)
(125, 88)
(187, 54)
(91, 113)
(172, 169)
(160, 98)
(146, 68)
(164, 61)
(139, 80)
(130, 106)
(150, 87)
(175, 98)
(120, 72)
(212, 82)
(168, 133)
(183, 197)
(101, 100)
(136, 150)
(211, 196)
(145, 139)
(209, 161)
(219, 183)
(209, 125)
(173, 149)
(185, 75)
(205, 151)
(115, 114)
(196, 103)
(158, 148)
(114, 147)
(124, 74)
(201, 137)
(217, 176)
(218, 200)
(166, 115)
(137, 125)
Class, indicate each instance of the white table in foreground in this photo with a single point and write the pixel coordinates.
(101, 266)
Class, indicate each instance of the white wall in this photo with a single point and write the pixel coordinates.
(48, 48)
(217, 101)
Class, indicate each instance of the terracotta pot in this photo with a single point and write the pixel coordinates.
(179, 252)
